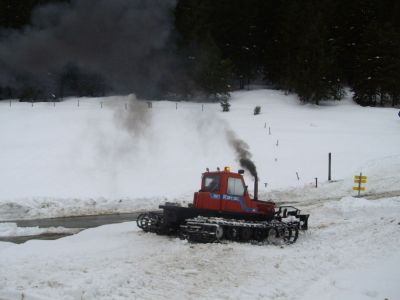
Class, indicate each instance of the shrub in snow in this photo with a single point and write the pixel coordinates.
(257, 110)
(225, 105)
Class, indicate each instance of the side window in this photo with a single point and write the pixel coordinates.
(211, 184)
(235, 186)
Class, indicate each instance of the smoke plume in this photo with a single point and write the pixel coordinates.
(243, 154)
(127, 43)
(135, 118)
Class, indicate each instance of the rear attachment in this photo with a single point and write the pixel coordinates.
(292, 214)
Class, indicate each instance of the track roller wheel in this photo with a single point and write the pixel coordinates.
(291, 235)
(246, 234)
(150, 222)
(259, 234)
(219, 233)
(273, 237)
(232, 233)
(286, 235)
(143, 221)
(182, 235)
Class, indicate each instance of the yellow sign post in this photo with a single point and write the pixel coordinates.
(359, 179)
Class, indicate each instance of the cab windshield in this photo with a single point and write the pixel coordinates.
(211, 183)
(235, 186)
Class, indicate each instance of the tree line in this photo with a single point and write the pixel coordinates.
(315, 49)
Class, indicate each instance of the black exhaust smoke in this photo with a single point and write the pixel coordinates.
(244, 157)
(127, 43)
(249, 165)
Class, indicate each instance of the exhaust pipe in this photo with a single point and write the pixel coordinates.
(255, 187)
(249, 165)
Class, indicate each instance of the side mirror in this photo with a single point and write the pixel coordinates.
(245, 190)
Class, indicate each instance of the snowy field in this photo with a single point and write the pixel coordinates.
(114, 154)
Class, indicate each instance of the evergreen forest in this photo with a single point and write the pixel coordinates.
(314, 49)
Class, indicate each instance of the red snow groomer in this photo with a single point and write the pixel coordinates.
(223, 209)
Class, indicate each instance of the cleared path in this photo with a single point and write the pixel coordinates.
(82, 222)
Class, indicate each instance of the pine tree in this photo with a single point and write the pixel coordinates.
(377, 66)
(212, 72)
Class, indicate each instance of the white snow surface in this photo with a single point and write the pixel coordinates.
(11, 229)
(104, 157)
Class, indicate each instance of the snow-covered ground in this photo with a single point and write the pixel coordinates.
(11, 229)
(116, 155)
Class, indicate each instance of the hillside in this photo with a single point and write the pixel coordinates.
(101, 155)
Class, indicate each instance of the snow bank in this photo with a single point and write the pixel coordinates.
(351, 204)
(11, 229)
(43, 207)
